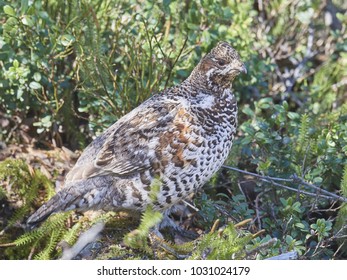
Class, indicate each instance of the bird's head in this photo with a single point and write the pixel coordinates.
(218, 68)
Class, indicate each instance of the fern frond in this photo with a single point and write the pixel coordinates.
(72, 234)
(105, 218)
(304, 145)
(138, 237)
(29, 237)
(56, 221)
(303, 139)
(54, 224)
(19, 214)
(149, 219)
(46, 253)
(155, 189)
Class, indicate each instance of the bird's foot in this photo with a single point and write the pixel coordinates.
(174, 228)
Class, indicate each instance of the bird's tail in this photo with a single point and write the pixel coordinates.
(56, 204)
(43, 212)
(77, 196)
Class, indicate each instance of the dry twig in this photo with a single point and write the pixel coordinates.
(294, 180)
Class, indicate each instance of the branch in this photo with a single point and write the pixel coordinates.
(295, 180)
(177, 57)
(12, 244)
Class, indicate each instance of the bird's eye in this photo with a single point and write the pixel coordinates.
(222, 62)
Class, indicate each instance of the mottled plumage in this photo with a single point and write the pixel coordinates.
(180, 136)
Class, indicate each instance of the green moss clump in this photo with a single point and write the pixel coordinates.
(25, 183)
(225, 244)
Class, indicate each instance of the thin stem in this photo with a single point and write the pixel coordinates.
(294, 179)
(257, 175)
(177, 57)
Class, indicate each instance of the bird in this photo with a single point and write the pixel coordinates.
(176, 140)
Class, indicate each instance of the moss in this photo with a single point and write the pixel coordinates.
(24, 183)
(225, 244)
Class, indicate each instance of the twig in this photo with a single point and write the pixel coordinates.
(257, 175)
(294, 179)
(190, 205)
(12, 244)
(32, 251)
(339, 248)
(303, 182)
(300, 191)
(179, 55)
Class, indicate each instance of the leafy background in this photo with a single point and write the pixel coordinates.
(69, 69)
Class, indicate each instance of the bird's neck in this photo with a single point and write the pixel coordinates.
(206, 82)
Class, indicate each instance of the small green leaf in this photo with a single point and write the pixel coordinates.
(289, 239)
(279, 108)
(193, 26)
(285, 105)
(296, 207)
(300, 225)
(35, 85)
(248, 111)
(264, 106)
(293, 115)
(318, 180)
(246, 140)
(27, 20)
(24, 6)
(31, 11)
(9, 11)
(265, 103)
(37, 76)
(40, 130)
(15, 63)
(248, 129)
(43, 15)
(19, 93)
(260, 136)
(286, 140)
(283, 201)
(67, 40)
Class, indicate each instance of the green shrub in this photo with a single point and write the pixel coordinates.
(72, 68)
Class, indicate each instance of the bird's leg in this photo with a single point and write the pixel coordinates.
(169, 223)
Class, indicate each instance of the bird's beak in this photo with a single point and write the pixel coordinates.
(240, 67)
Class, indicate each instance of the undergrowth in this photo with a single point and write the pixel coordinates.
(72, 68)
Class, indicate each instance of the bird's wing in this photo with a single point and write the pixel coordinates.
(132, 147)
(135, 141)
